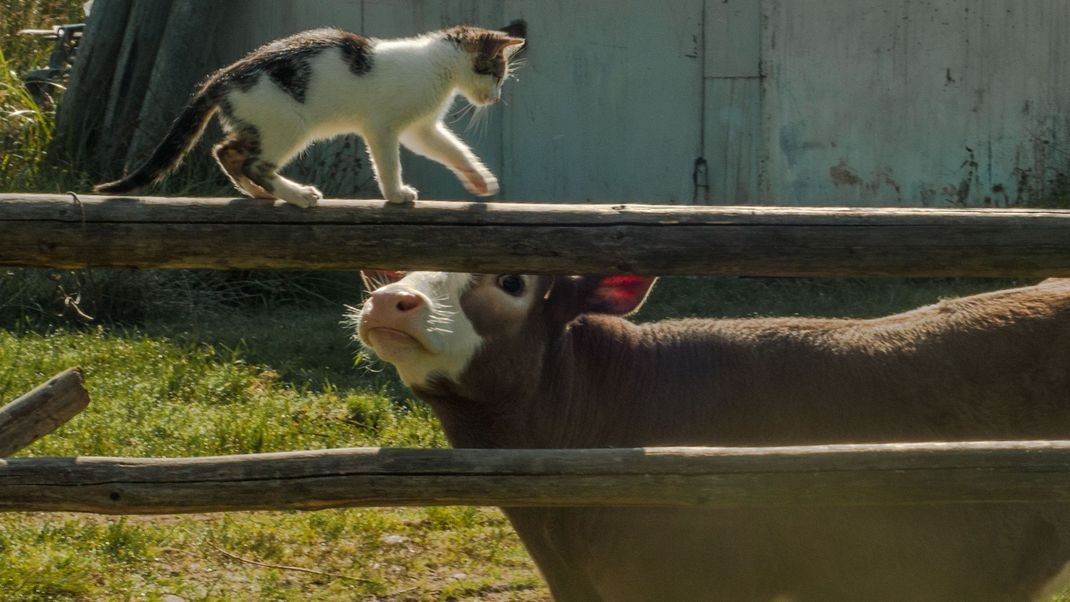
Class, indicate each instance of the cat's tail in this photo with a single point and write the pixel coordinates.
(184, 133)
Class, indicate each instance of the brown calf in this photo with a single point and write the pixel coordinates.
(510, 361)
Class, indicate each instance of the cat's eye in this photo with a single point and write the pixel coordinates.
(511, 284)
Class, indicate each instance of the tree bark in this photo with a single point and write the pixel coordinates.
(137, 64)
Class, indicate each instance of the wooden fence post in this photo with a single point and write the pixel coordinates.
(41, 411)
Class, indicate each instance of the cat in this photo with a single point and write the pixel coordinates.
(325, 82)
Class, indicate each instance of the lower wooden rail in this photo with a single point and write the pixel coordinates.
(836, 475)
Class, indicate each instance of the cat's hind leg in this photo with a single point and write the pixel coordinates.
(265, 175)
(231, 154)
(261, 168)
(435, 141)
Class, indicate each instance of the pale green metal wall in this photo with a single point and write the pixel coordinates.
(876, 102)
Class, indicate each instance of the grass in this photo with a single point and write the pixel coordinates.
(26, 129)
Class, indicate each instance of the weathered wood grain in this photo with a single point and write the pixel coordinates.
(41, 411)
(840, 475)
(57, 231)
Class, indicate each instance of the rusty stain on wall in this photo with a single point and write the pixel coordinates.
(887, 102)
(842, 175)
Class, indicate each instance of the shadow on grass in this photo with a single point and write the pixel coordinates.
(308, 346)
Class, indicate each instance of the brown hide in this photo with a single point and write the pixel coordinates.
(991, 366)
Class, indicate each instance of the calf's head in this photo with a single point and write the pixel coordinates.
(490, 332)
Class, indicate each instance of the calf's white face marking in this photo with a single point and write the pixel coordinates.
(435, 324)
(420, 325)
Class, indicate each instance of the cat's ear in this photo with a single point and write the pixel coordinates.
(504, 45)
(517, 29)
(513, 41)
(514, 44)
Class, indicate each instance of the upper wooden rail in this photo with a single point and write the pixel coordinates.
(65, 231)
(837, 475)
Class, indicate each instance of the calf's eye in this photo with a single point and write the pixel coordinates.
(512, 284)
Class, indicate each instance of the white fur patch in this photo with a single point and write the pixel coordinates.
(451, 339)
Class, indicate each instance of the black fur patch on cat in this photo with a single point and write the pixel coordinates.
(285, 61)
(226, 109)
(261, 173)
(245, 81)
(239, 156)
(490, 66)
(486, 45)
(357, 52)
(292, 75)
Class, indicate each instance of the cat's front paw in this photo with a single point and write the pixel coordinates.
(405, 194)
(480, 182)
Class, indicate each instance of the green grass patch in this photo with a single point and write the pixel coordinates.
(176, 395)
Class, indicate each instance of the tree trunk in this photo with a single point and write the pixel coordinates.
(79, 124)
(138, 62)
(141, 44)
(183, 61)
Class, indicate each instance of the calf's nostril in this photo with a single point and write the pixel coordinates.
(408, 303)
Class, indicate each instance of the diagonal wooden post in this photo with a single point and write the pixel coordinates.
(41, 411)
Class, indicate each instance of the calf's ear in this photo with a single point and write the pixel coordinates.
(616, 295)
(374, 279)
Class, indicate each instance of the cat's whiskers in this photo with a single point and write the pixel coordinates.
(511, 69)
(478, 122)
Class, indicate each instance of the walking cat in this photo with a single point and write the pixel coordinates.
(322, 83)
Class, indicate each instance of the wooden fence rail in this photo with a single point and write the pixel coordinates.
(65, 231)
(843, 475)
